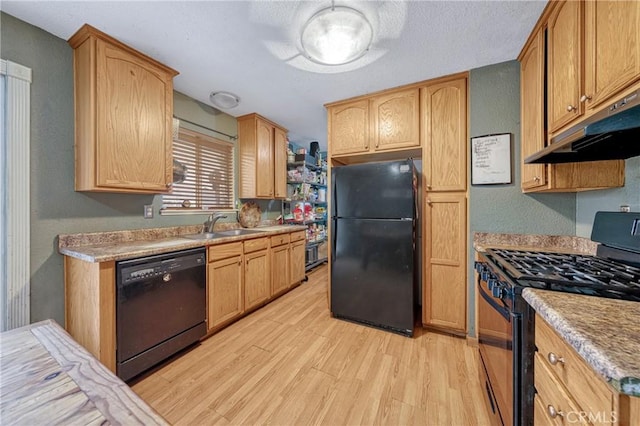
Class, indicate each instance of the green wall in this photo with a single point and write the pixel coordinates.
(55, 207)
(589, 202)
(494, 103)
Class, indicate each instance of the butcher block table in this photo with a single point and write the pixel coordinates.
(48, 378)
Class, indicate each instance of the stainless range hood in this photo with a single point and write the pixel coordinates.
(611, 134)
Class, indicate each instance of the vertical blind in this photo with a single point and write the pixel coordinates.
(208, 183)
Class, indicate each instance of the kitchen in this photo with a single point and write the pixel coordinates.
(56, 209)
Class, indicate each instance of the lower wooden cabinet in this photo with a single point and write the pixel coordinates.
(297, 261)
(566, 386)
(279, 264)
(242, 276)
(225, 298)
(444, 298)
(257, 274)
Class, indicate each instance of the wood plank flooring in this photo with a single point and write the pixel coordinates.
(290, 363)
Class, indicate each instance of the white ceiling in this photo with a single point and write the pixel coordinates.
(251, 47)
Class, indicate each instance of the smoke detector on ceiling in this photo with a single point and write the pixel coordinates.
(224, 100)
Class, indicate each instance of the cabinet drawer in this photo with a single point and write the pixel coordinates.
(222, 251)
(278, 240)
(540, 416)
(552, 396)
(256, 244)
(297, 236)
(588, 390)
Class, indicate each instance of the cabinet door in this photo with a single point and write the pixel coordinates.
(279, 269)
(444, 303)
(297, 261)
(444, 118)
(532, 112)
(349, 128)
(280, 163)
(134, 102)
(395, 120)
(564, 53)
(264, 159)
(257, 279)
(612, 48)
(225, 290)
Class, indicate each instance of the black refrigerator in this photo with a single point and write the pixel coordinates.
(373, 231)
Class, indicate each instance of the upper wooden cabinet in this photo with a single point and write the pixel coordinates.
(395, 120)
(123, 116)
(564, 34)
(562, 58)
(349, 127)
(385, 122)
(594, 55)
(444, 123)
(263, 158)
(532, 111)
(612, 48)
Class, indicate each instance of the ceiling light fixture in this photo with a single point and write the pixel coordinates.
(336, 35)
(224, 100)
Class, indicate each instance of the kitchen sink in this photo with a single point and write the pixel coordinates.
(220, 234)
(234, 232)
(204, 236)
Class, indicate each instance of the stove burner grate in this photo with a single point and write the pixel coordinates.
(592, 274)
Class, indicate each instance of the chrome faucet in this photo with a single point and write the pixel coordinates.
(211, 221)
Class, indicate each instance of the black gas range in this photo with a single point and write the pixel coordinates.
(506, 321)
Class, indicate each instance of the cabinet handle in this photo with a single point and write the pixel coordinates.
(536, 178)
(571, 108)
(554, 359)
(239, 262)
(553, 413)
(169, 185)
(429, 187)
(585, 98)
(429, 201)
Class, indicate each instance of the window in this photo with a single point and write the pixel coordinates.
(15, 228)
(203, 173)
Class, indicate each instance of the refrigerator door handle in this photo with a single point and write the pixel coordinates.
(334, 234)
(334, 198)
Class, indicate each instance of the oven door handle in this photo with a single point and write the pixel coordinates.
(503, 311)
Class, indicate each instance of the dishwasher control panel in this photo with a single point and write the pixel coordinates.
(158, 266)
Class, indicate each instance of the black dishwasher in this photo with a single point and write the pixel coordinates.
(160, 309)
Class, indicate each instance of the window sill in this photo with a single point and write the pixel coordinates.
(185, 212)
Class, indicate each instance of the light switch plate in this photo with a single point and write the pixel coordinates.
(148, 211)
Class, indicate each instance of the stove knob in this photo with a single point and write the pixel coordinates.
(491, 283)
(497, 290)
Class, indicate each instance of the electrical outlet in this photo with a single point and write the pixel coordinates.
(625, 208)
(148, 211)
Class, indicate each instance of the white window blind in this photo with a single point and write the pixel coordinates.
(209, 167)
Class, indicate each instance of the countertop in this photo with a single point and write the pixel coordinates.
(605, 332)
(557, 243)
(48, 378)
(120, 245)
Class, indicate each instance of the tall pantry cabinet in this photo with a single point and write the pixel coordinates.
(444, 134)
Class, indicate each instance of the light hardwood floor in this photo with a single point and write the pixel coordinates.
(290, 363)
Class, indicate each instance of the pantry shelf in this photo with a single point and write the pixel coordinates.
(306, 204)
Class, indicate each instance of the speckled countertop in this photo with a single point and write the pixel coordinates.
(558, 243)
(129, 244)
(605, 332)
